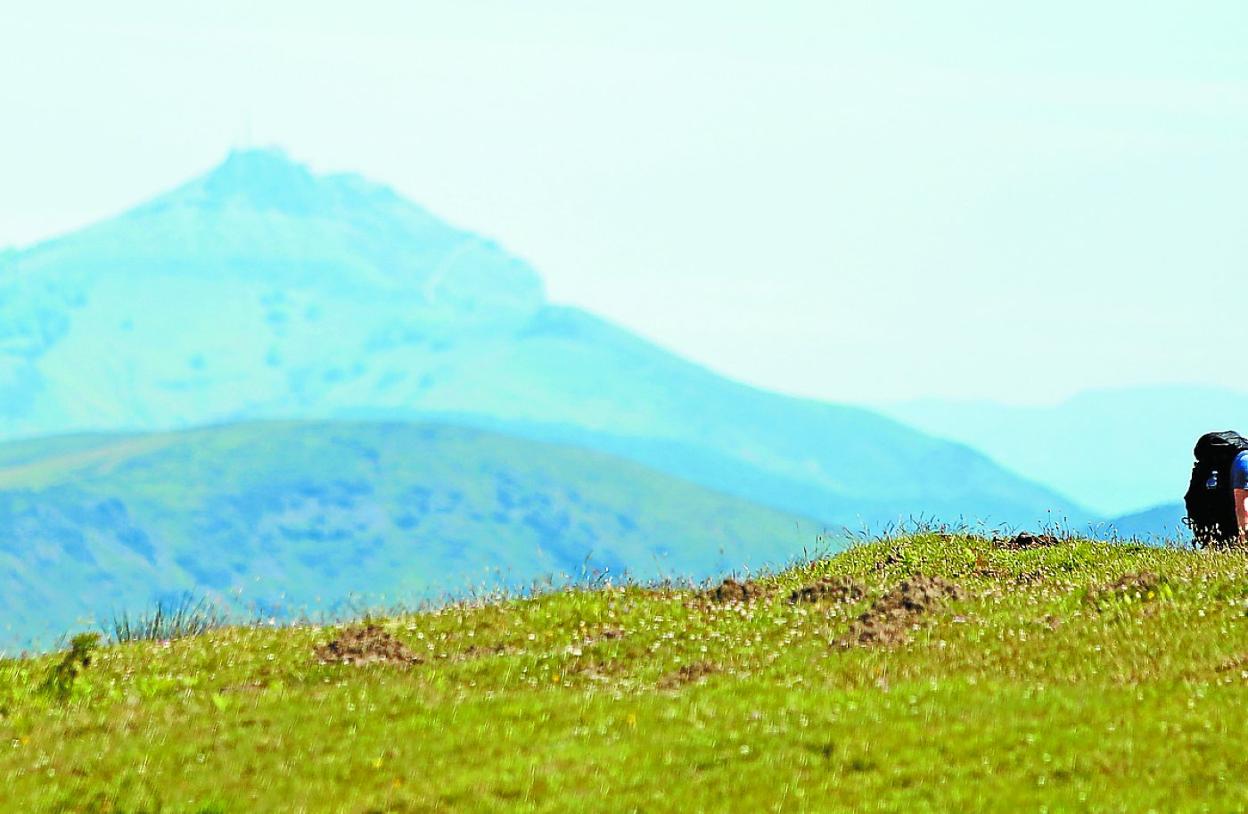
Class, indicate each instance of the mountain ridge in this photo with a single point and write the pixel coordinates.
(1123, 450)
(296, 517)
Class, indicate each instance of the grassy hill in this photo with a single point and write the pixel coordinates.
(935, 672)
(317, 517)
(264, 291)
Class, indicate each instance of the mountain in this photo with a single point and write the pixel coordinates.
(262, 290)
(1163, 522)
(1120, 451)
(302, 516)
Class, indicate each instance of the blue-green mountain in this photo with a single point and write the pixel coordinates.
(264, 291)
(288, 518)
(1121, 451)
(1160, 523)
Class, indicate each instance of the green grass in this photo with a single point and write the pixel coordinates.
(1039, 689)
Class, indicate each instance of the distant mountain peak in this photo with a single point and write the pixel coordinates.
(264, 178)
(246, 165)
(266, 219)
(262, 289)
(267, 179)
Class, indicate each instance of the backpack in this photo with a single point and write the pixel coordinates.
(1210, 500)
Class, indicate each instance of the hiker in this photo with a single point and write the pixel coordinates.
(1217, 498)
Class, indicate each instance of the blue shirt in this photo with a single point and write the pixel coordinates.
(1239, 471)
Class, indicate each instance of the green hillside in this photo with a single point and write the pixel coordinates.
(935, 673)
(288, 518)
(262, 290)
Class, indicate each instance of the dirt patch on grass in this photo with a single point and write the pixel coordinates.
(1032, 577)
(732, 591)
(1024, 541)
(828, 589)
(890, 618)
(890, 559)
(688, 674)
(1236, 663)
(1141, 586)
(366, 644)
(478, 651)
(606, 634)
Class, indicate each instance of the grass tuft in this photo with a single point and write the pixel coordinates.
(63, 677)
(170, 619)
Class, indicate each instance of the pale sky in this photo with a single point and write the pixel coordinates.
(854, 201)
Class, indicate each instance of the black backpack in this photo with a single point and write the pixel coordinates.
(1210, 499)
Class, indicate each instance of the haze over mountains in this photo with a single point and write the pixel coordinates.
(1121, 451)
(263, 291)
(436, 417)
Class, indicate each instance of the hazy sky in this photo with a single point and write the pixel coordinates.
(855, 201)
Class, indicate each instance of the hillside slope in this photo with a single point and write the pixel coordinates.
(261, 290)
(306, 516)
(1073, 677)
